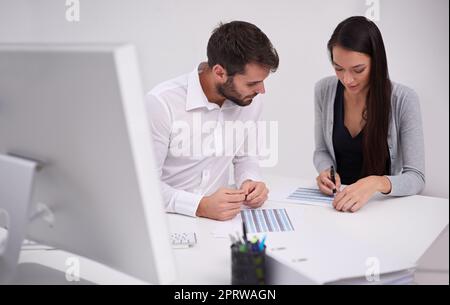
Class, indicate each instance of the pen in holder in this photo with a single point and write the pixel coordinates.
(248, 261)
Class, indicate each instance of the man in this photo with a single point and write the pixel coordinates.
(188, 114)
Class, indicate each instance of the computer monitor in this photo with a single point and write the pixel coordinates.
(79, 110)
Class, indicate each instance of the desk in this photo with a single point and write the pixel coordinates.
(396, 230)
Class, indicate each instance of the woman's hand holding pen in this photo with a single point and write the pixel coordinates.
(354, 196)
(325, 183)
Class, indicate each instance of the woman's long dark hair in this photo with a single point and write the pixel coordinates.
(362, 35)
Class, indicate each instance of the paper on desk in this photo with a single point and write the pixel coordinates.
(309, 196)
(257, 221)
(302, 195)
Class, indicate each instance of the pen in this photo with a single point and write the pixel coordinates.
(244, 231)
(255, 246)
(261, 244)
(243, 248)
(333, 179)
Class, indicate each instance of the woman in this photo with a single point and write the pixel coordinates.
(367, 127)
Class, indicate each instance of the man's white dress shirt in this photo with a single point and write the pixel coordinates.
(193, 147)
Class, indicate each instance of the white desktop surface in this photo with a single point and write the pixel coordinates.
(336, 245)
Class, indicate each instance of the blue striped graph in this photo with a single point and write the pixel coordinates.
(310, 195)
(266, 220)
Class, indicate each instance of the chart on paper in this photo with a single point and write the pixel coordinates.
(310, 196)
(266, 220)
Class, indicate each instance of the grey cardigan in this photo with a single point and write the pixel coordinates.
(405, 136)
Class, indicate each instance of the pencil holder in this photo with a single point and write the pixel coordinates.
(247, 267)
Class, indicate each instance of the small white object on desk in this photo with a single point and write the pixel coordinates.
(183, 240)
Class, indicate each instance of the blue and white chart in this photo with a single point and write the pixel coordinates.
(266, 220)
(310, 196)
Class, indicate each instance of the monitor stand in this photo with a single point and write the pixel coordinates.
(16, 186)
(16, 183)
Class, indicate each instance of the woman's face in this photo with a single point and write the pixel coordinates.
(352, 68)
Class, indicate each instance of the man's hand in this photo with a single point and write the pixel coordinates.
(256, 193)
(224, 204)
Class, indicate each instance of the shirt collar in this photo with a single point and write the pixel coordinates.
(196, 98)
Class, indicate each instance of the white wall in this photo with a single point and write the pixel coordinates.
(171, 37)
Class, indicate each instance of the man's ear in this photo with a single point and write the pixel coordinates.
(220, 74)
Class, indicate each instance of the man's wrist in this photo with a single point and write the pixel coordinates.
(201, 206)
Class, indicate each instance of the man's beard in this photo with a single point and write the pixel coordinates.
(229, 91)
